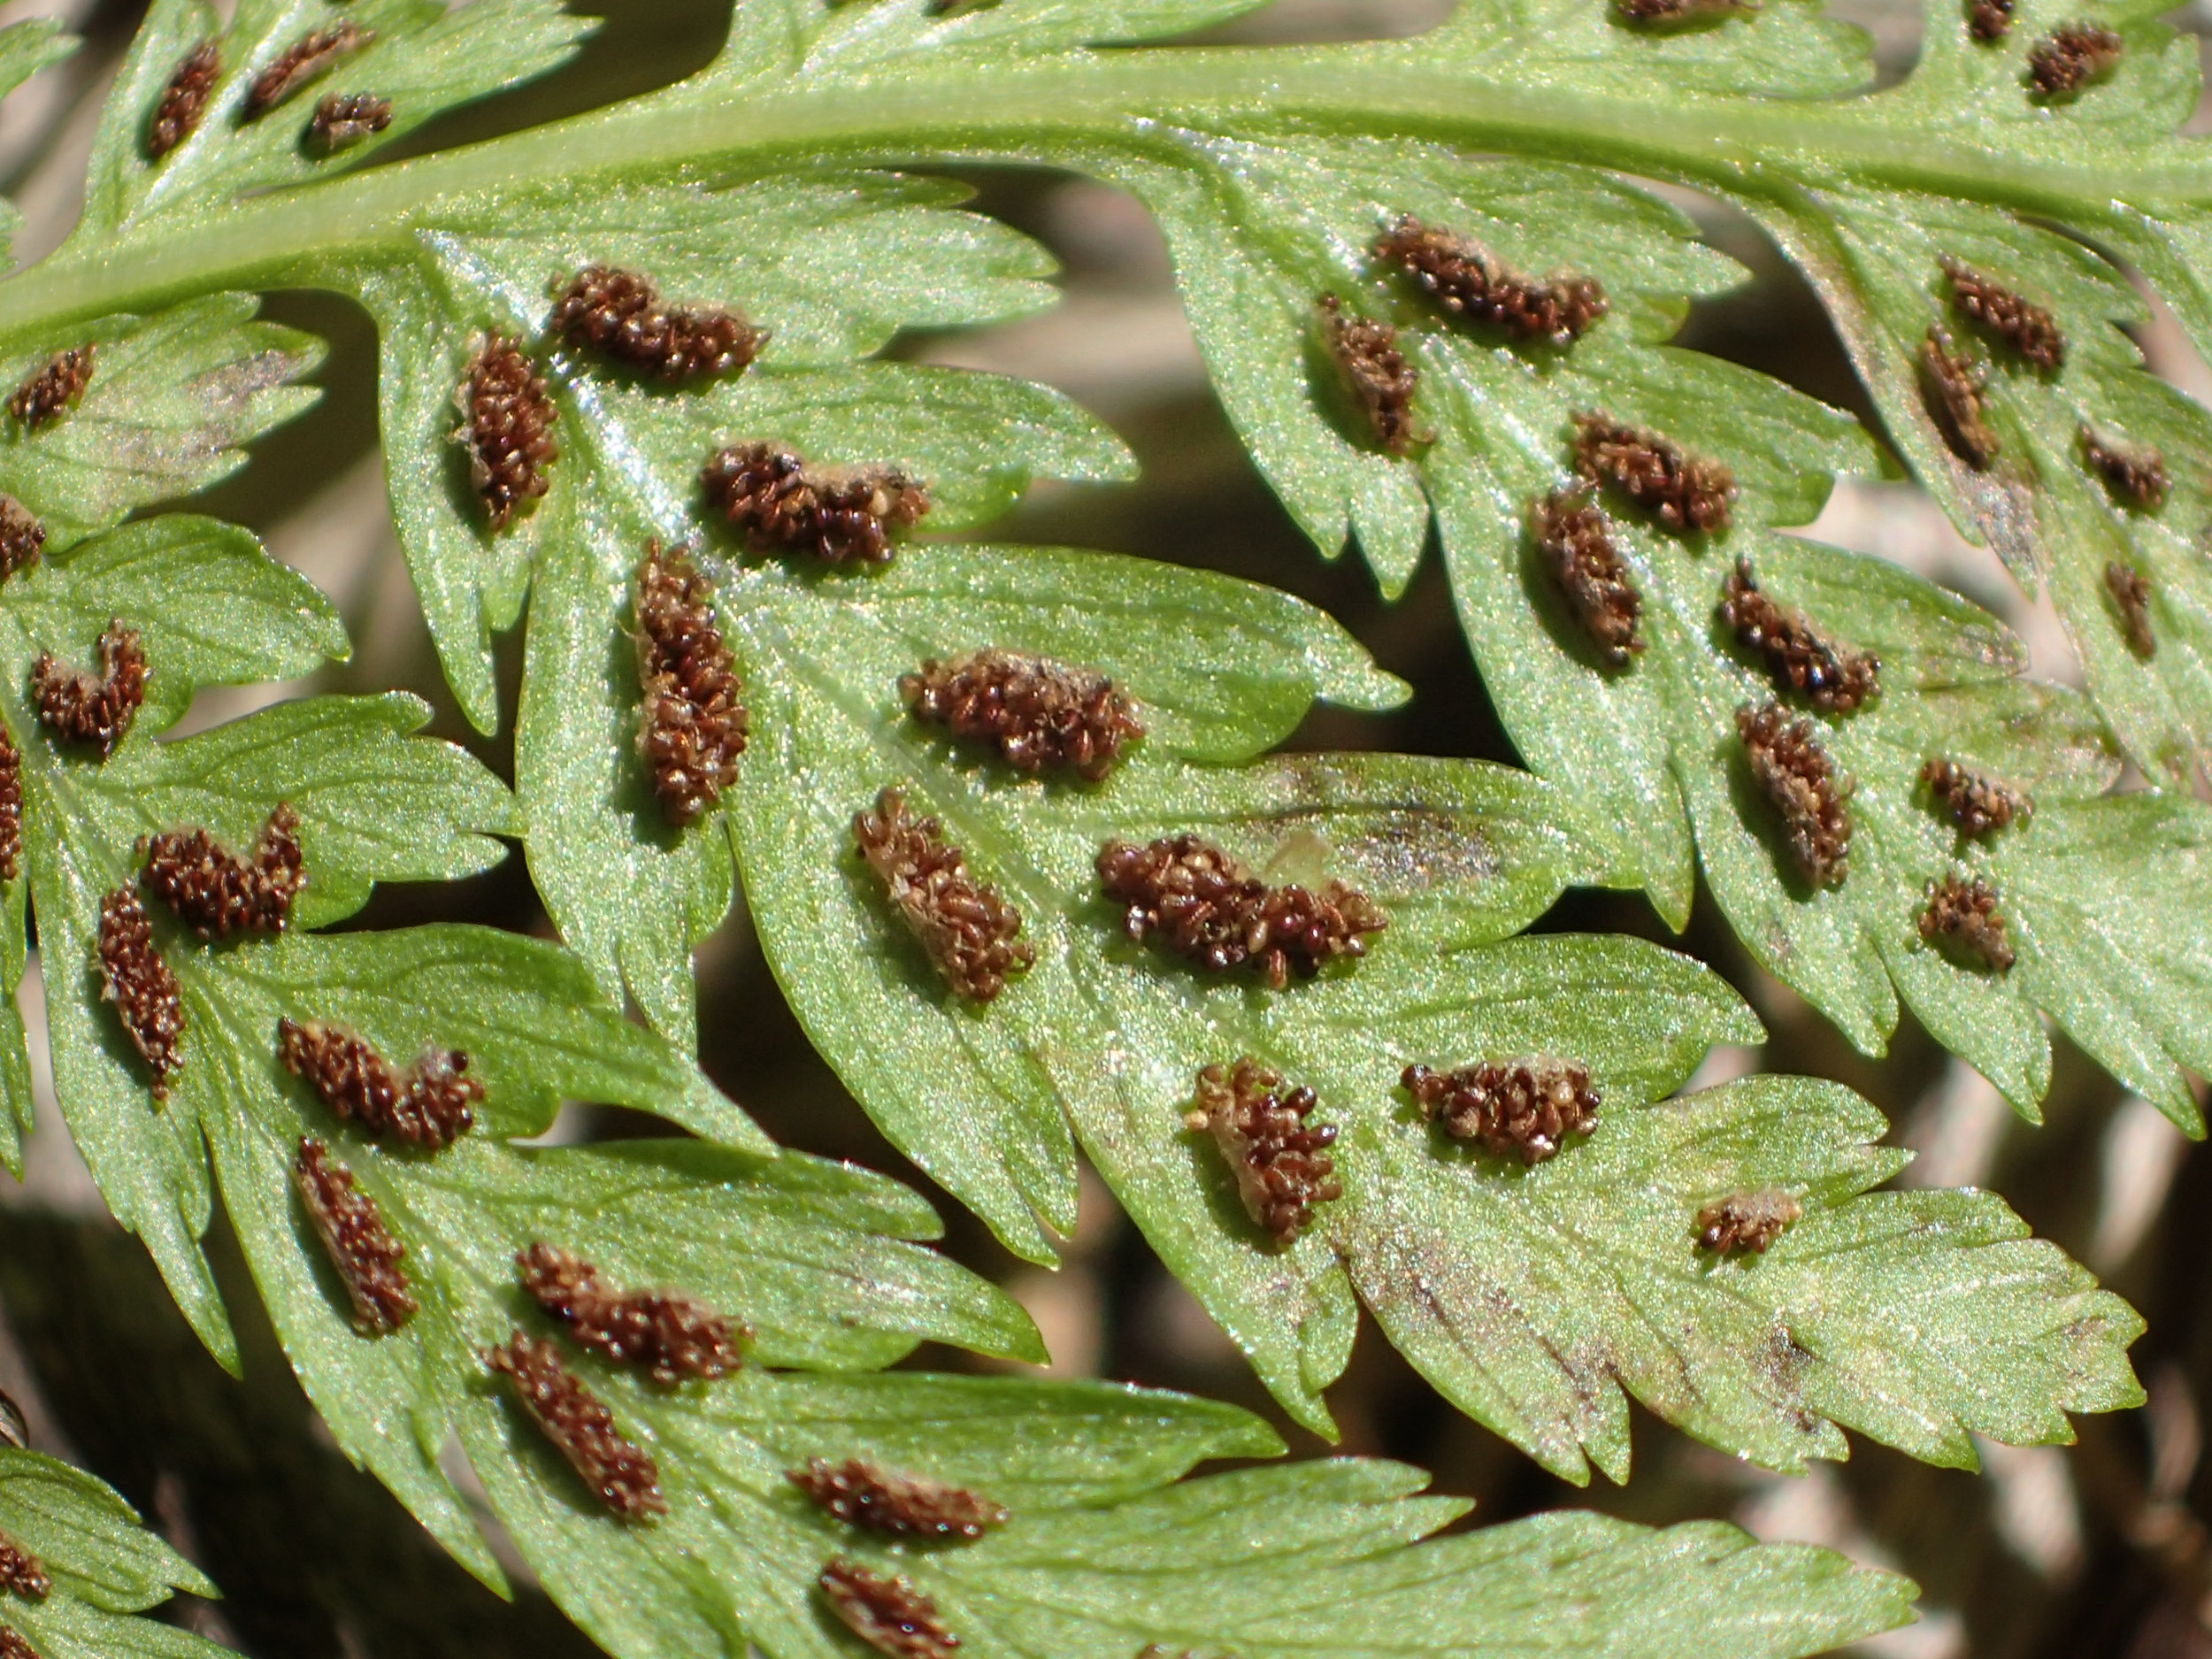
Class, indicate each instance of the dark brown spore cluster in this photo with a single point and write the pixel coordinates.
(1989, 19)
(839, 514)
(1465, 278)
(863, 1494)
(507, 427)
(218, 892)
(1684, 492)
(360, 1246)
(184, 100)
(1800, 779)
(1978, 804)
(93, 709)
(887, 1612)
(2028, 328)
(1282, 1167)
(1961, 915)
(691, 727)
(618, 314)
(430, 1105)
(2137, 476)
(1951, 383)
(1576, 545)
(135, 978)
(307, 57)
(1525, 1108)
(48, 391)
(21, 537)
(343, 119)
(22, 1573)
(670, 1335)
(2071, 57)
(967, 929)
(14, 1646)
(2130, 590)
(11, 809)
(1375, 372)
(1747, 1221)
(1799, 656)
(620, 1473)
(1038, 712)
(1208, 909)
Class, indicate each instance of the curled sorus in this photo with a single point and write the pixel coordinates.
(306, 59)
(2137, 476)
(1800, 779)
(887, 1612)
(218, 892)
(1374, 372)
(2028, 328)
(1036, 711)
(1799, 656)
(1684, 492)
(1961, 915)
(1977, 804)
(2131, 591)
(354, 1235)
(21, 537)
(184, 100)
(1466, 279)
(507, 427)
(1576, 545)
(429, 1105)
(691, 727)
(1525, 1108)
(968, 930)
(49, 390)
(343, 119)
(780, 503)
(2071, 57)
(1747, 1221)
(89, 709)
(620, 1473)
(22, 1573)
(619, 314)
(1951, 384)
(134, 977)
(11, 809)
(668, 1334)
(1282, 1167)
(879, 1499)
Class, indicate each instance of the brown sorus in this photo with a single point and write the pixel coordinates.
(620, 1473)
(887, 1612)
(49, 390)
(14, 1646)
(134, 977)
(11, 809)
(1576, 545)
(2137, 476)
(1207, 908)
(22, 1573)
(2028, 328)
(2071, 57)
(670, 1335)
(781, 505)
(879, 1499)
(1951, 384)
(1978, 804)
(429, 1105)
(507, 427)
(360, 1246)
(1466, 279)
(21, 536)
(95, 709)
(218, 892)
(966, 928)
(1684, 492)
(1375, 372)
(1283, 1168)
(1799, 656)
(1661, 13)
(1524, 1108)
(1961, 915)
(1747, 1221)
(1800, 779)
(2130, 590)
(343, 119)
(691, 727)
(1037, 711)
(619, 314)
(184, 100)
(1989, 19)
(307, 57)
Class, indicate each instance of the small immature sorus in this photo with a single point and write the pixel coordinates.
(184, 100)
(864, 1495)
(22, 1573)
(619, 314)
(1207, 908)
(1038, 712)
(21, 536)
(506, 426)
(1463, 278)
(669, 1334)
(1800, 781)
(360, 1246)
(966, 928)
(430, 1105)
(2137, 476)
(781, 505)
(1978, 804)
(2028, 328)
(1661, 13)
(620, 1473)
(1375, 372)
(2131, 591)
(1951, 384)
(691, 727)
(1799, 656)
(306, 59)
(11, 809)
(2071, 57)
(1747, 1221)
(1283, 1168)
(134, 977)
(218, 892)
(887, 1612)
(343, 119)
(95, 709)
(49, 390)
(1989, 19)
(1576, 545)
(1961, 915)
(1684, 492)
(1525, 1108)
